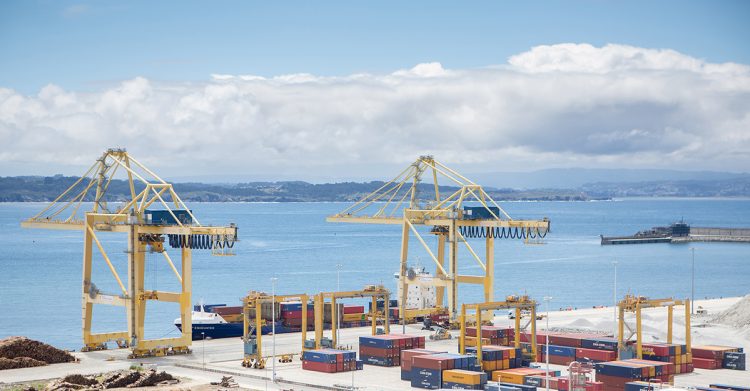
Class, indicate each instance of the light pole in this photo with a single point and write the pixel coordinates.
(203, 338)
(692, 284)
(547, 299)
(338, 289)
(614, 300)
(273, 328)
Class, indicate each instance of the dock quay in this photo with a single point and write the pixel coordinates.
(681, 233)
(212, 359)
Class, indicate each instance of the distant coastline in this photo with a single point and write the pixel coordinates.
(45, 189)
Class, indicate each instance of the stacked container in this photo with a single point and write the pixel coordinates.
(406, 359)
(491, 335)
(385, 350)
(329, 360)
(353, 313)
(616, 374)
(291, 314)
(715, 357)
(427, 370)
(498, 357)
(675, 354)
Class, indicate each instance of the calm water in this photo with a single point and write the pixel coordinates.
(40, 270)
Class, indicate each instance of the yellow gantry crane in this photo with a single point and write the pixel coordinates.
(453, 219)
(374, 292)
(634, 304)
(151, 214)
(517, 303)
(253, 347)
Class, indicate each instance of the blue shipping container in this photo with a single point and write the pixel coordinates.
(379, 361)
(319, 356)
(458, 386)
(426, 378)
(376, 342)
(599, 343)
(638, 387)
(405, 375)
(565, 351)
(611, 369)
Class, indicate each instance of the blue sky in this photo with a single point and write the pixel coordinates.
(84, 45)
(356, 90)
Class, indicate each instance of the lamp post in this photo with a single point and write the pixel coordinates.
(547, 299)
(338, 289)
(614, 300)
(273, 328)
(692, 283)
(203, 339)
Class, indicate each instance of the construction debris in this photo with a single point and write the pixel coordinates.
(21, 352)
(128, 379)
(226, 381)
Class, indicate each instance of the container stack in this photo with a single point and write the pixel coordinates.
(565, 348)
(717, 357)
(675, 354)
(427, 370)
(616, 374)
(330, 360)
(291, 314)
(385, 350)
(406, 359)
(498, 357)
(491, 335)
(353, 313)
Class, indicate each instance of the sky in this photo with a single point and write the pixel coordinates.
(337, 90)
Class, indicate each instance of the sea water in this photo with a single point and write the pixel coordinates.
(40, 270)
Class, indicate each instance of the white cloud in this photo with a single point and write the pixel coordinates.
(557, 105)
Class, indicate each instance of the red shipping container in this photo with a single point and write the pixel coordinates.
(595, 386)
(705, 363)
(354, 309)
(562, 384)
(613, 382)
(656, 349)
(378, 352)
(565, 340)
(318, 366)
(297, 315)
(595, 354)
(432, 362)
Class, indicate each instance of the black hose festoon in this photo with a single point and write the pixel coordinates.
(471, 232)
(201, 242)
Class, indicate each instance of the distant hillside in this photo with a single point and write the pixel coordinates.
(573, 178)
(34, 188)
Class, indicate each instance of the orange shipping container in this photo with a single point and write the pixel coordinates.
(462, 376)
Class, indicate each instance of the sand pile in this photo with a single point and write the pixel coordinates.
(737, 315)
(21, 352)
